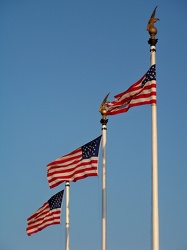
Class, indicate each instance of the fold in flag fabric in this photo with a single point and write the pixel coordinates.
(48, 214)
(79, 164)
(140, 93)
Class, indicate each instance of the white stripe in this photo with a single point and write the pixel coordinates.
(135, 92)
(41, 217)
(83, 169)
(64, 168)
(82, 174)
(43, 225)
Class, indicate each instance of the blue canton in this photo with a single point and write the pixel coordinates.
(56, 200)
(91, 149)
(150, 75)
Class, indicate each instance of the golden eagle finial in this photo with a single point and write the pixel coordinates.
(102, 109)
(150, 26)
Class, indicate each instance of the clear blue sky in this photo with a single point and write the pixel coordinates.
(58, 60)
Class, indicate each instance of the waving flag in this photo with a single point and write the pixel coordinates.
(140, 93)
(47, 215)
(79, 164)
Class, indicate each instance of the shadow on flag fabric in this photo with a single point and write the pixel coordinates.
(140, 93)
(79, 164)
(48, 214)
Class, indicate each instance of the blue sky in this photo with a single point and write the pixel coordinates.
(58, 60)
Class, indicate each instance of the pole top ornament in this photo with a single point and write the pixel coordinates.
(150, 26)
(102, 108)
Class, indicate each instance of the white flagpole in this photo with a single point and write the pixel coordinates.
(67, 214)
(104, 198)
(155, 208)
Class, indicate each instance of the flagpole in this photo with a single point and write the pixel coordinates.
(67, 214)
(155, 208)
(104, 121)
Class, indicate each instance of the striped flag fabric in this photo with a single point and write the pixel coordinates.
(79, 164)
(140, 93)
(48, 214)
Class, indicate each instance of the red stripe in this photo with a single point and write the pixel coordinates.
(62, 169)
(37, 225)
(41, 228)
(75, 179)
(64, 178)
(65, 159)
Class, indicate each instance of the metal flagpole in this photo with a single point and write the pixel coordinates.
(67, 214)
(155, 210)
(104, 121)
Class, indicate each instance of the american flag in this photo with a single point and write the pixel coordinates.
(46, 215)
(79, 164)
(140, 93)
